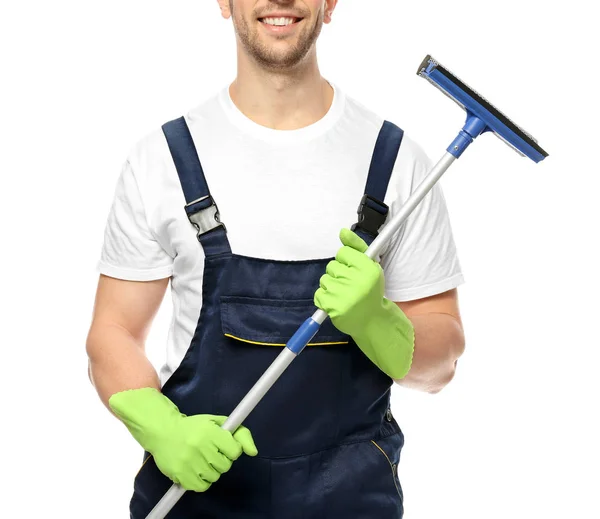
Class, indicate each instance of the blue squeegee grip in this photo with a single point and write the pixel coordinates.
(303, 335)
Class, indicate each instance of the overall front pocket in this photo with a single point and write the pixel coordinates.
(300, 414)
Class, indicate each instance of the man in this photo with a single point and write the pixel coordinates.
(287, 157)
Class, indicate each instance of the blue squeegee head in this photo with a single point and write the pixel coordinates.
(480, 110)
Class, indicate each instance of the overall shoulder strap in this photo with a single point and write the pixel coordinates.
(200, 207)
(372, 210)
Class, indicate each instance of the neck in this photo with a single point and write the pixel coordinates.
(281, 100)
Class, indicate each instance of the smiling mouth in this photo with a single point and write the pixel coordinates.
(279, 22)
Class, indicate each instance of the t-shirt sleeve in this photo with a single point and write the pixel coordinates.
(130, 250)
(421, 260)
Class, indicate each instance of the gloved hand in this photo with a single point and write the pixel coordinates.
(352, 293)
(192, 451)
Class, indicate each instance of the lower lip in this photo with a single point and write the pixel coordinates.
(280, 29)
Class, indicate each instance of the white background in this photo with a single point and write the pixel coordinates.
(514, 435)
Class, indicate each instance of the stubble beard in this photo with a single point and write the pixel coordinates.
(265, 55)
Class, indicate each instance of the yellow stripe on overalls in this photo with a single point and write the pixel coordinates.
(277, 344)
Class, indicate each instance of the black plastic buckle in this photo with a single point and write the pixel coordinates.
(369, 218)
(207, 218)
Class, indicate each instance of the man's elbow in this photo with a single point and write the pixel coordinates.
(90, 373)
(92, 349)
(443, 380)
(447, 374)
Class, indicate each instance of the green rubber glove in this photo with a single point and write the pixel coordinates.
(192, 451)
(352, 293)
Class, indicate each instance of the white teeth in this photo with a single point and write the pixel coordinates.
(278, 21)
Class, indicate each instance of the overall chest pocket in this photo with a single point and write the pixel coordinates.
(301, 412)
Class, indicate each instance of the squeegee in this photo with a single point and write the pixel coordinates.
(482, 117)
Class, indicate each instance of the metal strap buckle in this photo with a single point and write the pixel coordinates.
(369, 219)
(205, 219)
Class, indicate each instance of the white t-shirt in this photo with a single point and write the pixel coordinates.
(282, 194)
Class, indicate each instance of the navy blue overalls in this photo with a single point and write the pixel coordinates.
(328, 444)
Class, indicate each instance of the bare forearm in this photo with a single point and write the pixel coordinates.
(439, 342)
(117, 362)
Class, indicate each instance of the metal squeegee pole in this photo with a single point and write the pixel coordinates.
(285, 358)
(390, 228)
